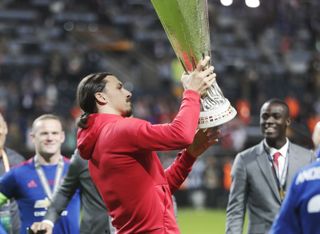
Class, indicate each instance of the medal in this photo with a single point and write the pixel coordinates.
(44, 203)
(282, 194)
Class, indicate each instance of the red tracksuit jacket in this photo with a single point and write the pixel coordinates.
(127, 171)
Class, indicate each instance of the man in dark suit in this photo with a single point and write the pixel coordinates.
(94, 213)
(9, 158)
(262, 173)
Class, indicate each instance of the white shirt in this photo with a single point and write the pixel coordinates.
(282, 159)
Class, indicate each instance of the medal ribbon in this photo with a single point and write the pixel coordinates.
(44, 180)
(280, 180)
(5, 161)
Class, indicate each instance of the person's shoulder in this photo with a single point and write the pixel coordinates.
(251, 151)
(301, 150)
(78, 161)
(14, 155)
(298, 147)
(247, 156)
(76, 156)
(23, 166)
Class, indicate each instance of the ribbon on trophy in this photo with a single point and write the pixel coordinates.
(186, 24)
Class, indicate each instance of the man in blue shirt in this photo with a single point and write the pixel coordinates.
(33, 183)
(94, 219)
(300, 211)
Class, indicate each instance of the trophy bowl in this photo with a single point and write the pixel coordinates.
(186, 24)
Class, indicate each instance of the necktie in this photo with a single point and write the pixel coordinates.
(276, 165)
(276, 160)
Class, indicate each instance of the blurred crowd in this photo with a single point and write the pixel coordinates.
(47, 46)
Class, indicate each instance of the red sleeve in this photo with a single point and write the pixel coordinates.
(176, 135)
(179, 170)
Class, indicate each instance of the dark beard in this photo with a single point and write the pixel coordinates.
(129, 113)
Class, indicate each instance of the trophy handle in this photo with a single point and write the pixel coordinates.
(216, 109)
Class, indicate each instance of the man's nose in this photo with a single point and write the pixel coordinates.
(129, 94)
(49, 137)
(270, 119)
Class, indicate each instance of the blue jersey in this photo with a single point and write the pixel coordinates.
(23, 184)
(300, 211)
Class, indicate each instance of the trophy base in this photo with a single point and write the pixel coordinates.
(218, 116)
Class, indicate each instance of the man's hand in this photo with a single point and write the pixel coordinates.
(203, 139)
(201, 78)
(42, 227)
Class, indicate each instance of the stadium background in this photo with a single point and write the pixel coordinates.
(269, 51)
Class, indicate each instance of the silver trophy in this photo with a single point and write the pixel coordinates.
(186, 24)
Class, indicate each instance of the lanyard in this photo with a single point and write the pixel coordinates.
(280, 180)
(5, 161)
(44, 180)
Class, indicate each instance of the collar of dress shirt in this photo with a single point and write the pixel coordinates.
(283, 150)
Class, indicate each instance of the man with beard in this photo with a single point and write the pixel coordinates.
(262, 173)
(121, 150)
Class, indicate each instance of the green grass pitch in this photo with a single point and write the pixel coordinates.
(207, 221)
(201, 221)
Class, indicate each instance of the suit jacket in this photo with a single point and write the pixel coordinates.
(254, 186)
(94, 213)
(14, 159)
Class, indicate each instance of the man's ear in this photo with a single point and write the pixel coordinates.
(288, 121)
(63, 137)
(101, 98)
(32, 136)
